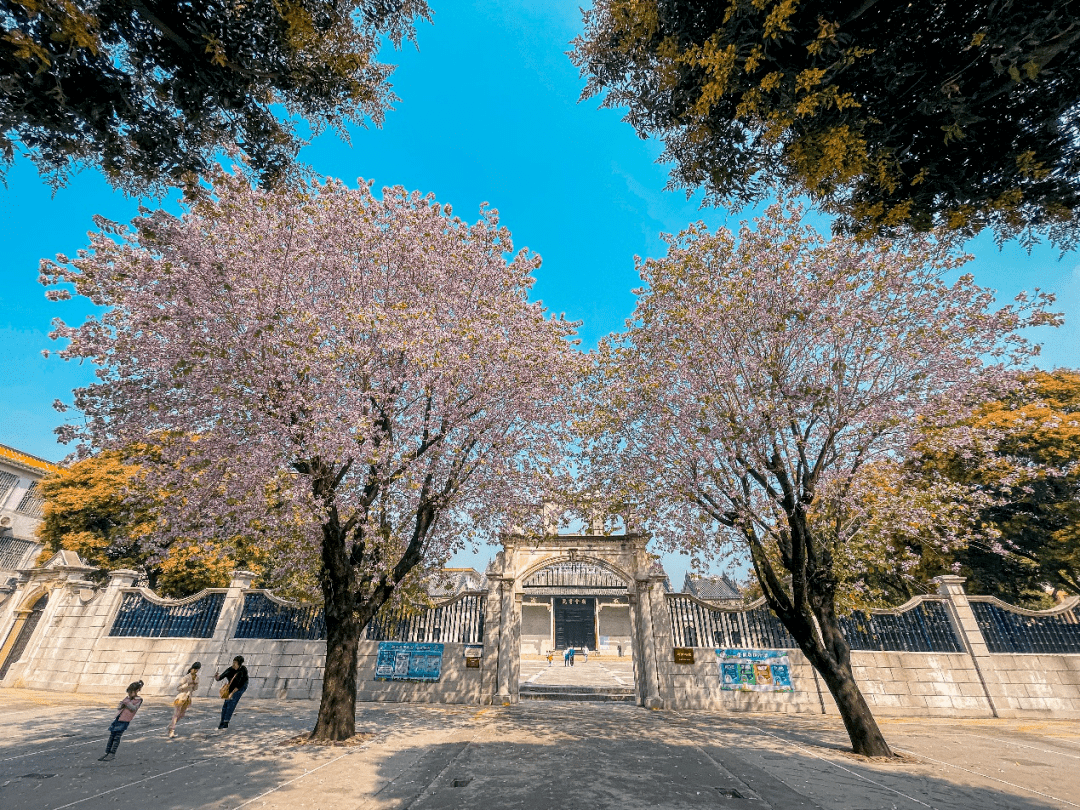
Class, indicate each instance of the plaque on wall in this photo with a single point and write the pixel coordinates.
(472, 663)
(684, 655)
(408, 661)
(754, 670)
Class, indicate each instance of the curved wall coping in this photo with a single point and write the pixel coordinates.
(293, 604)
(165, 601)
(911, 603)
(1064, 607)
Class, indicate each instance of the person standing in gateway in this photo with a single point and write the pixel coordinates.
(236, 681)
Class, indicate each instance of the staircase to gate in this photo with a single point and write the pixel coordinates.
(599, 678)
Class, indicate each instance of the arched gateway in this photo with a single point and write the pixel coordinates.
(550, 592)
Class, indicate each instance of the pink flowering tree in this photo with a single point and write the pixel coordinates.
(759, 377)
(366, 374)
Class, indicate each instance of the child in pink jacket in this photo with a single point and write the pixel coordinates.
(128, 706)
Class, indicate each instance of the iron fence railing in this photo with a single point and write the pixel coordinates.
(459, 620)
(264, 616)
(1009, 629)
(920, 627)
(195, 617)
(695, 624)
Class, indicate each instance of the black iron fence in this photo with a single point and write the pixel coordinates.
(142, 617)
(1013, 630)
(266, 617)
(694, 624)
(459, 620)
(923, 627)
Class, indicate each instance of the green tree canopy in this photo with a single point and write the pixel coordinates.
(149, 90)
(100, 508)
(888, 113)
(1031, 469)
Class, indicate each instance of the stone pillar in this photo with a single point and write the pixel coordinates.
(233, 607)
(515, 647)
(967, 630)
(663, 641)
(489, 672)
(643, 609)
(103, 614)
(8, 642)
(640, 687)
(122, 578)
(110, 600)
(506, 651)
(10, 605)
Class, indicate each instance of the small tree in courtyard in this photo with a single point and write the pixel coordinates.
(367, 371)
(760, 375)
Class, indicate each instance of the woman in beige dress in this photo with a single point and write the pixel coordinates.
(188, 684)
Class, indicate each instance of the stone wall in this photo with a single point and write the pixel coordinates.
(72, 651)
(535, 629)
(1028, 685)
(971, 683)
(896, 683)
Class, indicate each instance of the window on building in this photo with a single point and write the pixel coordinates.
(7, 483)
(32, 503)
(12, 552)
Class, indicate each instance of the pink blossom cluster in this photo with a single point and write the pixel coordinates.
(319, 356)
(775, 371)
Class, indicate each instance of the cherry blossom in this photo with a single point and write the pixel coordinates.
(367, 374)
(759, 377)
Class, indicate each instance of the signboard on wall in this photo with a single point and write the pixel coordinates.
(408, 661)
(754, 670)
(684, 655)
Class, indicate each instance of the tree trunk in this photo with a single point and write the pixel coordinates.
(337, 711)
(809, 614)
(863, 731)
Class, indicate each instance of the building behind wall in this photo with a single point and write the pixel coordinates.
(575, 604)
(721, 591)
(21, 507)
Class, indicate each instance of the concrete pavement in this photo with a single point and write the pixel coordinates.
(539, 756)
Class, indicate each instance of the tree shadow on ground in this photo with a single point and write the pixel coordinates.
(542, 756)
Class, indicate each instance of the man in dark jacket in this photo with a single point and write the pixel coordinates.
(236, 677)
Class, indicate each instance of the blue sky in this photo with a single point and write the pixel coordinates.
(489, 112)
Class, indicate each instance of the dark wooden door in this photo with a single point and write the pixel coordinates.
(575, 622)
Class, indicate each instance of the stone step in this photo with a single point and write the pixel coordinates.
(533, 691)
(579, 696)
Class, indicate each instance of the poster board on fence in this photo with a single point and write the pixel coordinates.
(408, 661)
(754, 671)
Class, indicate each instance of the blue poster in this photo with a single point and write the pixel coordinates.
(754, 671)
(408, 661)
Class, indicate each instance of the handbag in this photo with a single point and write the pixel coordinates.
(226, 689)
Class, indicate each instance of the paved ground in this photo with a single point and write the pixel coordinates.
(539, 756)
(597, 671)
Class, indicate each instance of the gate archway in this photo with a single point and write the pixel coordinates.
(21, 632)
(581, 591)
